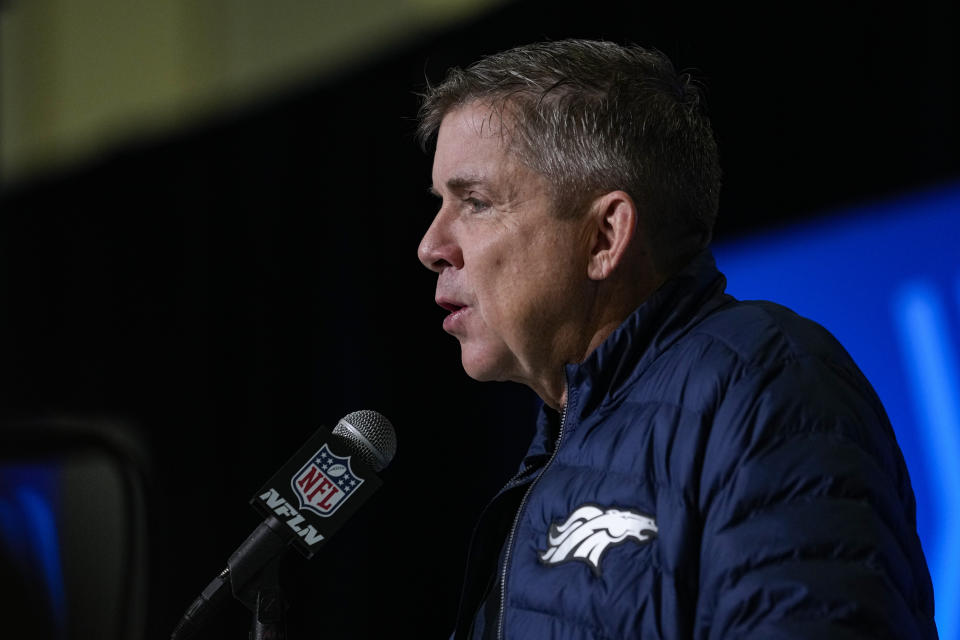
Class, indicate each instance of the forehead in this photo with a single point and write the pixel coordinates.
(472, 139)
(474, 122)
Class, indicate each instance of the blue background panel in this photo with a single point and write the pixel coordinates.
(29, 540)
(885, 280)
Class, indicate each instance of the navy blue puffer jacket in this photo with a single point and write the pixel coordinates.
(722, 470)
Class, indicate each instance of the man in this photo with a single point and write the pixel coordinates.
(703, 467)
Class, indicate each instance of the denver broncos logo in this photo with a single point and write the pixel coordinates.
(590, 530)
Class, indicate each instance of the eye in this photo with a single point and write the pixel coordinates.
(476, 205)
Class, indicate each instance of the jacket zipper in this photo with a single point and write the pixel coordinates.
(516, 521)
(512, 482)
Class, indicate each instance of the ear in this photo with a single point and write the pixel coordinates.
(614, 223)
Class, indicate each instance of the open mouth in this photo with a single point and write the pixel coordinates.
(453, 321)
(451, 306)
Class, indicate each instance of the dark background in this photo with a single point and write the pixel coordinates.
(228, 289)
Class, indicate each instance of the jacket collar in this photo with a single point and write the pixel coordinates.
(657, 323)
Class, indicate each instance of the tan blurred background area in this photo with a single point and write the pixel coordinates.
(81, 76)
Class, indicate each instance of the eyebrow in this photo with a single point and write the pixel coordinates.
(458, 183)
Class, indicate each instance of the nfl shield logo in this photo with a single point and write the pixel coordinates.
(325, 482)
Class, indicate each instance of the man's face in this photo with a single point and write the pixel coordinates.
(511, 273)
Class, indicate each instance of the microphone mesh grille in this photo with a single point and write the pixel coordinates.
(381, 440)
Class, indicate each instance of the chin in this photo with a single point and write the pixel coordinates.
(480, 374)
(481, 367)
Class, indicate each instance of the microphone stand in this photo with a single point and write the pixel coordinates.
(259, 590)
(253, 577)
(270, 607)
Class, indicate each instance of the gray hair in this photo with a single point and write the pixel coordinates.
(595, 117)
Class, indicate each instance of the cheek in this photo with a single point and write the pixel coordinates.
(517, 303)
(502, 303)
(514, 281)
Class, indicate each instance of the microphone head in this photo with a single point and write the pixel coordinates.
(370, 436)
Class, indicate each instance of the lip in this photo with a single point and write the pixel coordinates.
(457, 310)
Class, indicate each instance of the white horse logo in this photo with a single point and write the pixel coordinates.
(590, 530)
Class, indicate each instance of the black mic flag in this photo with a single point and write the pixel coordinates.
(304, 503)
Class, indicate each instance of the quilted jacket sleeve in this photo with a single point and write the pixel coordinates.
(808, 515)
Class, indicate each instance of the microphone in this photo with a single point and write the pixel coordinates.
(304, 503)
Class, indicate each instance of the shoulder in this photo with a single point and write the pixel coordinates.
(747, 350)
(788, 379)
(751, 351)
(802, 486)
(754, 382)
(764, 334)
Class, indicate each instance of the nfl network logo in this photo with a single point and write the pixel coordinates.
(325, 482)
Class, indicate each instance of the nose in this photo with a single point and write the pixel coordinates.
(438, 249)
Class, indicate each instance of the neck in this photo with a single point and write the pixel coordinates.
(610, 304)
